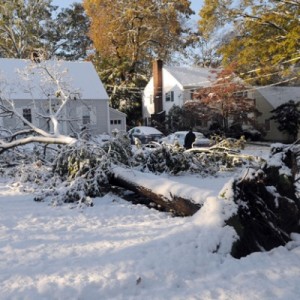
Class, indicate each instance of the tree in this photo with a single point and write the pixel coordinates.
(29, 25)
(128, 100)
(274, 24)
(51, 82)
(68, 35)
(176, 120)
(205, 54)
(226, 98)
(128, 35)
(287, 116)
(22, 26)
(132, 32)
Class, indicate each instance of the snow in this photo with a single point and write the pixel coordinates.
(192, 76)
(79, 74)
(117, 250)
(195, 188)
(146, 130)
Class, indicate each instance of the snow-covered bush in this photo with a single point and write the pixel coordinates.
(85, 170)
(229, 143)
(174, 159)
(119, 149)
(85, 167)
(28, 176)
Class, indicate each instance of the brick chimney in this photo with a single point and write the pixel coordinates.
(157, 85)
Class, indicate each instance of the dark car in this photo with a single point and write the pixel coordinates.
(249, 132)
(145, 134)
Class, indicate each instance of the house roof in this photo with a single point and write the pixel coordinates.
(117, 112)
(75, 77)
(277, 95)
(192, 76)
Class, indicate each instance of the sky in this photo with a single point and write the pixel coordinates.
(196, 4)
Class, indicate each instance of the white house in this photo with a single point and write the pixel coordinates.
(171, 85)
(27, 85)
(269, 98)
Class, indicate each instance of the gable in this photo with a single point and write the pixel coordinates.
(277, 95)
(80, 78)
(192, 76)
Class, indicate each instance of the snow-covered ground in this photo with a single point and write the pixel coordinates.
(116, 250)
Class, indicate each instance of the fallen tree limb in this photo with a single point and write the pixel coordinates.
(178, 206)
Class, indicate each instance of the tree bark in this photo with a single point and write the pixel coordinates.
(178, 206)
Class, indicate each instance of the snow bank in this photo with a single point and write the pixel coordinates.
(116, 250)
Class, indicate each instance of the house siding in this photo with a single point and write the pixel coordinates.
(73, 117)
(117, 120)
(88, 106)
(148, 103)
(171, 85)
(13, 123)
(264, 107)
(97, 111)
(172, 82)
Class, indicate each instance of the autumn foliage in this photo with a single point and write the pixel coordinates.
(261, 37)
(132, 33)
(225, 101)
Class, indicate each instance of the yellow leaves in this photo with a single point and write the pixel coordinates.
(132, 29)
(212, 15)
(265, 34)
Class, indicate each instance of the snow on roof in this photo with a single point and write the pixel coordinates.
(117, 112)
(193, 76)
(76, 77)
(277, 95)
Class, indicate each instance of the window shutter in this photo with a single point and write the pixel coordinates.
(19, 123)
(93, 117)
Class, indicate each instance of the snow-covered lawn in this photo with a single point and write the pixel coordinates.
(116, 250)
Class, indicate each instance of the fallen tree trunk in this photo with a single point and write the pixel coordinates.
(178, 206)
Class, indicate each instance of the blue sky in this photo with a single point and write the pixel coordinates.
(196, 4)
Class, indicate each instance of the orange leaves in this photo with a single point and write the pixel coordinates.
(134, 30)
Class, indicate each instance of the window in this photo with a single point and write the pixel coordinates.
(86, 120)
(170, 96)
(241, 94)
(115, 122)
(27, 114)
(86, 116)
